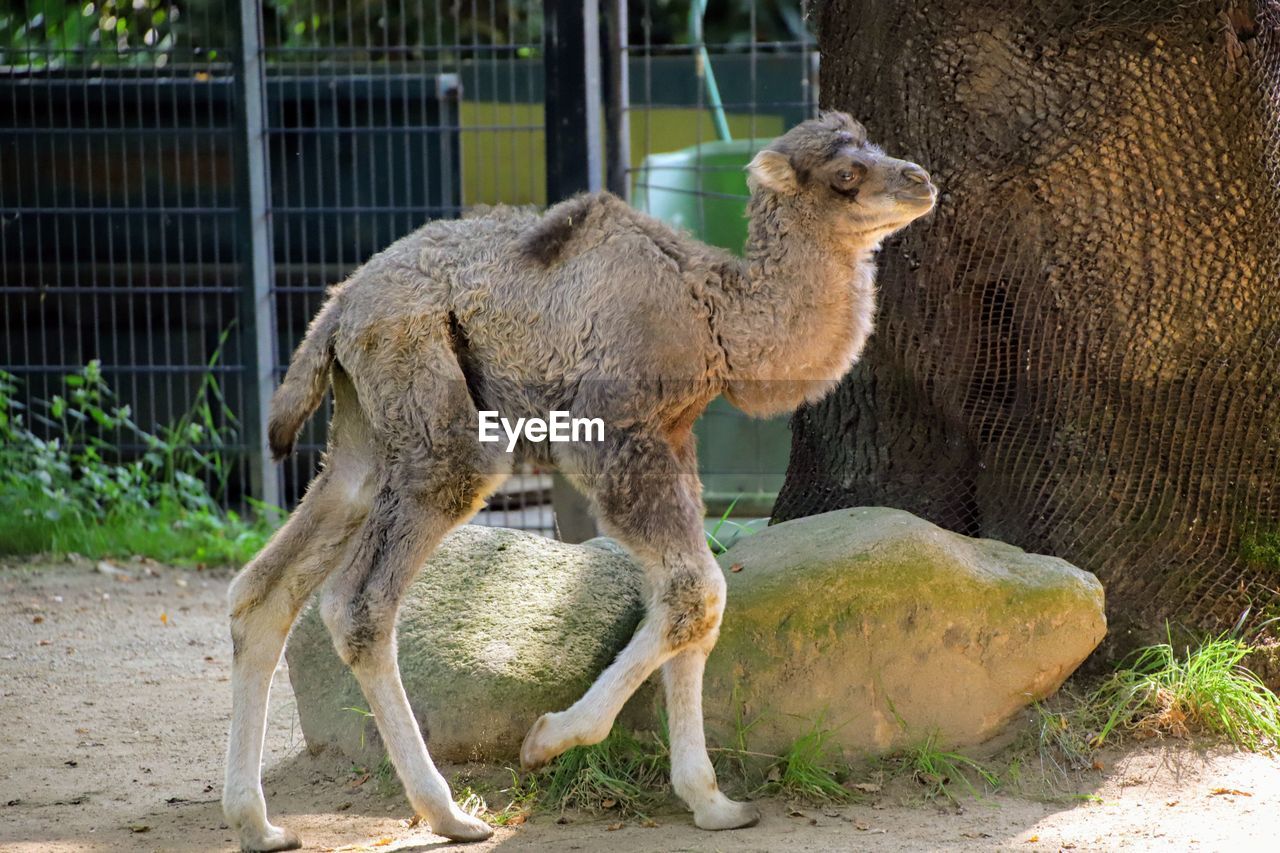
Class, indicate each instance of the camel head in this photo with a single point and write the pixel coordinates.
(827, 167)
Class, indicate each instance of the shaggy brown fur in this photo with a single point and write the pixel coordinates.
(591, 308)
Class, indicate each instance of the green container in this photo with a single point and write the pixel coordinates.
(703, 190)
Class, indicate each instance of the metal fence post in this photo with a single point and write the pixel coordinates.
(257, 326)
(617, 115)
(571, 68)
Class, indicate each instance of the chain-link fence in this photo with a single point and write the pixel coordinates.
(181, 181)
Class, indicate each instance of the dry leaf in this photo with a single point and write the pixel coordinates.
(1033, 839)
(164, 618)
(614, 827)
(43, 643)
(860, 826)
(139, 828)
(36, 620)
(383, 841)
(736, 567)
(649, 823)
(1230, 791)
(1098, 765)
(608, 803)
(866, 787)
(413, 821)
(516, 820)
(356, 783)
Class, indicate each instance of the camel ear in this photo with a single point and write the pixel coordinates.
(772, 170)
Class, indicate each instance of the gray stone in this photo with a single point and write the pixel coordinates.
(871, 623)
(499, 627)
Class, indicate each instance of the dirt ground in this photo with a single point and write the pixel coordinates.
(114, 702)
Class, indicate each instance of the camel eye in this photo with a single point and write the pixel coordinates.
(851, 175)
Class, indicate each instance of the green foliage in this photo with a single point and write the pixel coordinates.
(73, 492)
(522, 797)
(153, 33)
(1204, 689)
(57, 33)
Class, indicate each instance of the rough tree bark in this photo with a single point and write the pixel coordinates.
(1080, 352)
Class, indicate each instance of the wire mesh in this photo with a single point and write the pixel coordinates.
(1079, 353)
(117, 207)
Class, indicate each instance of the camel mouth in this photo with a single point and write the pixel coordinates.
(924, 196)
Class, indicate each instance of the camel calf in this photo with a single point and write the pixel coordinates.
(594, 309)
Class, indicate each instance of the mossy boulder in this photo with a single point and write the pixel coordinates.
(872, 623)
(884, 628)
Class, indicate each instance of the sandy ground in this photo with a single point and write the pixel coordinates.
(114, 703)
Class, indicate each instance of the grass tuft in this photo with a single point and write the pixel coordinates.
(809, 770)
(941, 771)
(625, 771)
(1203, 689)
(726, 531)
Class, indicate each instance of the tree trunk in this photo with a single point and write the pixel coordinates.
(1079, 353)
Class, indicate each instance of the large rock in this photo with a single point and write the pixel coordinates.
(499, 627)
(872, 623)
(885, 628)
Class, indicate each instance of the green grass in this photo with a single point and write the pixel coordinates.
(66, 488)
(625, 771)
(944, 772)
(1066, 734)
(522, 797)
(717, 534)
(1204, 689)
(809, 770)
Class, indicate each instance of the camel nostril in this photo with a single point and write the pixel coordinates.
(915, 174)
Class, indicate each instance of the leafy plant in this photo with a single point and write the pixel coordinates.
(68, 488)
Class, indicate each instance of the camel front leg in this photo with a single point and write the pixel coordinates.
(652, 505)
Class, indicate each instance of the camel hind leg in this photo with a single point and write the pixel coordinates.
(264, 601)
(433, 475)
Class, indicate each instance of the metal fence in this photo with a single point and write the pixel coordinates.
(180, 181)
